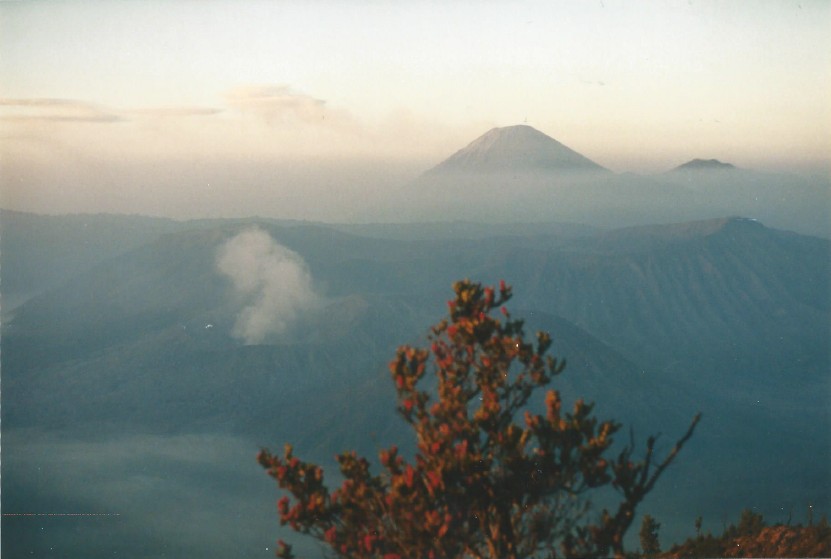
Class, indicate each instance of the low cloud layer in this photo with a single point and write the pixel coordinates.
(73, 110)
(273, 281)
(136, 495)
(54, 110)
(173, 112)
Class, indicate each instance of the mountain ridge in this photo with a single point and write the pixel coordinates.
(696, 229)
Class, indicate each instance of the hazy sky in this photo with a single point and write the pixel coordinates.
(166, 107)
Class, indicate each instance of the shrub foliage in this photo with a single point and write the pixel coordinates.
(489, 478)
(753, 537)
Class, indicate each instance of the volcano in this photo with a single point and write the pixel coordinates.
(514, 149)
(705, 165)
(519, 171)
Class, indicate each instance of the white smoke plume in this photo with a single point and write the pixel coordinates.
(274, 282)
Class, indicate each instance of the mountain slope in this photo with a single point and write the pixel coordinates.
(725, 295)
(698, 300)
(704, 164)
(124, 389)
(154, 325)
(38, 252)
(514, 149)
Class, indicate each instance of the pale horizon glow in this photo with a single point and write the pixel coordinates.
(169, 108)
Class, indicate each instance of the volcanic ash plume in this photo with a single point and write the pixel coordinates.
(274, 281)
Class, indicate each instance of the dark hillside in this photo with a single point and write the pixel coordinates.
(38, 252)
(724, 294)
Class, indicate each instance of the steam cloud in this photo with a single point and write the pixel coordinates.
(275, 282)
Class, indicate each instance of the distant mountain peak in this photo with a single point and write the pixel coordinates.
(513, 149)
(704, 165)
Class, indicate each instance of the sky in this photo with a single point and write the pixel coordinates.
(205, 109)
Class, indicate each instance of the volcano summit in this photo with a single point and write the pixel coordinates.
(520, 148)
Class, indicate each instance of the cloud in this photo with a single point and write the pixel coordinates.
(173, 112)
(273, 280)
(71, 110)
(253, 122)
(54, 110)
(281, 104)
(183, 495)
